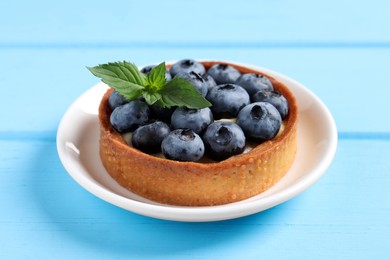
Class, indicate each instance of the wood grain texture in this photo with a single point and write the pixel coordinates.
(45, 214)
(100, 23)
(338, 49)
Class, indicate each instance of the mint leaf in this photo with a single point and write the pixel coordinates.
(179, 92)
(124, 77)
(156, 77)
(151, 97)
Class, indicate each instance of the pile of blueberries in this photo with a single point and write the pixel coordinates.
(187, 134)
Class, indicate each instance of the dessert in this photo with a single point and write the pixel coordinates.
(236, 159)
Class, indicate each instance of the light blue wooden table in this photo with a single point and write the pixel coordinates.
(338, 49)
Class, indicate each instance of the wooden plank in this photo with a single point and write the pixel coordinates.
(45, 213)
(39, 85)
(203, 23)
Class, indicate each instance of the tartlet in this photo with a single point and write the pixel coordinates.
(195, 183)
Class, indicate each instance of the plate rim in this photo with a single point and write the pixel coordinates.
(209, 213)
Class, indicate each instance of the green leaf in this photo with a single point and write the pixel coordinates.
(156, 77)
(160, 103)
(151, 97)
(179, 92)
(124, 77)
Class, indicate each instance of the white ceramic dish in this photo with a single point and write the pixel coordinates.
(78, 149)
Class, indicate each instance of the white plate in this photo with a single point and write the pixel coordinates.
(78, 149)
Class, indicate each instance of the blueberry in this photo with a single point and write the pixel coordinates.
(147, 69)
(227, 100)
(183, 145)
(195, 119)
(260, 121)
(210, 82)
(115, 100)
(162, 113)
(223, 73)
(196, 80)
(141, 98)
(275, 98)
(223, 139)
(127, 117)
(253, 83)
(187, 66)
(148, 138)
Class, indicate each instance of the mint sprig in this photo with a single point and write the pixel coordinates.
(125, 78)
(179, 92)
(156, 77)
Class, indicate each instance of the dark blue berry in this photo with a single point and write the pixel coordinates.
(147, 69)
(196, 80)
(227, 100)
(148, 138)
(183, 145)
(260, 121)
(210, 82)
(253, 83)
(224, 74)
(115, 100)
(162, 113)
(195, 119)
(127, 117)
(275, 98)
(223, 139)
(187, 66)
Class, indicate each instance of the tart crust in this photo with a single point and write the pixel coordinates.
(200, 184)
